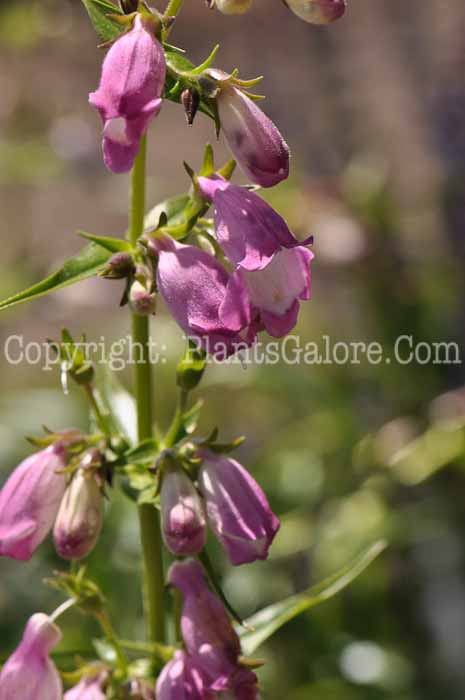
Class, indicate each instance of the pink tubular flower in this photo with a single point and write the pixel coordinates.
(254, 140)
(29, 502)
(133, 76)
(182, 517)
(237, 509)
(317, 11)
(181, 680)
(248, 229)
(90, 687)
(207, 631)
(274, 292)
(29, 674)
(194, 286)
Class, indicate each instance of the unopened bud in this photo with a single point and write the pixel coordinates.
(190, 99)
(119, 266)
(142, 301)
(233, 7)
(317, 11)
(80, 516)
(182, 517)
(191, 367)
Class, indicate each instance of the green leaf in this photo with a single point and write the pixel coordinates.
(146, 451)
(99, 11)
(266, 622)
(117, 403)
(173, 208)
(114, 245)
(83, 265)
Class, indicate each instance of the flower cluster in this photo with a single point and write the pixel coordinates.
(228, 498)
(210, 667)
(37, 498)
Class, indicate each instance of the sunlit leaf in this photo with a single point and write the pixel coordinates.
(99, 11)
(174, 208)
(266, 622)
(80, 267)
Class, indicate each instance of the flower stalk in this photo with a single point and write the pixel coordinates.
(151, 541)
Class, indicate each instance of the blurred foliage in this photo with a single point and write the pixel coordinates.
(348, 453)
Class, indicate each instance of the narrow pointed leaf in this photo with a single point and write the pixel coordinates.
(99, 11)
(266, 622)
(114, 245)
(80, 267)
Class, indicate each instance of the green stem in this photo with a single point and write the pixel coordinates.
(109, 632)
(148, 517)
(177, 419)
(173, 8)
(99, 416)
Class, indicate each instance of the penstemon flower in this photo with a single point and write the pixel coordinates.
(182, 517)
(254, 140)
(129, 95)
(213, 649)
(194, 286)
(90, 687)
(248, 228)
(29, 502)
(237, 509)
(29, 674)
(181, 680)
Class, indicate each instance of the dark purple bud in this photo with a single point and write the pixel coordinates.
(129, 6)
(119, 266)
(190, 99)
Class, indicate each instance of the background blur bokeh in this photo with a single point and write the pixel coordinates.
(373, 109)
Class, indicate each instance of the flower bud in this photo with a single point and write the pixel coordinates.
(90, 687)
(233, 7)
(29, 674)
(317, 11)
(80, 517)
(142, 301)
(119, 266)
(190, 99)
(254, 140)
(182, 517)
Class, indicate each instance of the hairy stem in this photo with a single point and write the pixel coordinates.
(148, 517)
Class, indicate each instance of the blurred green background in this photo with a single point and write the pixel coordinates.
(372, 108)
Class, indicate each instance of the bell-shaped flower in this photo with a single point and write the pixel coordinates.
(29, 502)
(206, 628)
(274, 293)
(317, 11)
(237, 509)
(29, 674)
(129, 95)
(249, 230)
(181, 680)
(194, 286)
(90, 687)
(182, 516)
(80, 517)
(254, 140)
